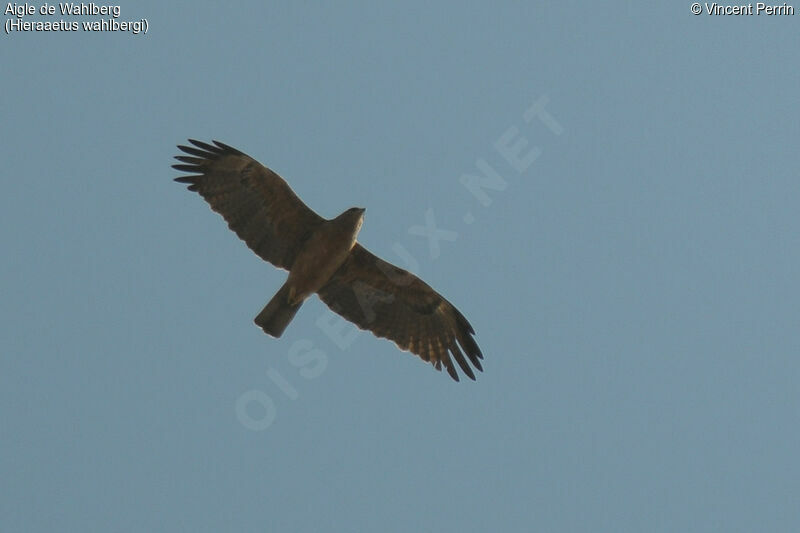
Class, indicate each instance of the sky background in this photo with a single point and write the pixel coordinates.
(634, 288)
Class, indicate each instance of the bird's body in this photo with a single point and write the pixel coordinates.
(321, 255)
(324, 257)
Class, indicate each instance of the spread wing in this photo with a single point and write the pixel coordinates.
(395, 304)
(257, 203)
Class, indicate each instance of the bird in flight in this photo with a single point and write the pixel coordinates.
(323, 257)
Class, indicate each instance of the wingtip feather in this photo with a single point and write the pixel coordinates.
(205, 146)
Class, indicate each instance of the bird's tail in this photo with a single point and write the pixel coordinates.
(277, 314)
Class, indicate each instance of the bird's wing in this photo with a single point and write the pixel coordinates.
(256, 202)
(395, 304)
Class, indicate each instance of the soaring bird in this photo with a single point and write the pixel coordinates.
(324, 257)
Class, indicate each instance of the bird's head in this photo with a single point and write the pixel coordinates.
(354, 218)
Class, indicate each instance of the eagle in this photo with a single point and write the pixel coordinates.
(324, 257)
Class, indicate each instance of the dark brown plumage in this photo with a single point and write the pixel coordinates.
(323, 257)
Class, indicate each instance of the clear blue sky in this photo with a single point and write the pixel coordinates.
(634, 287)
